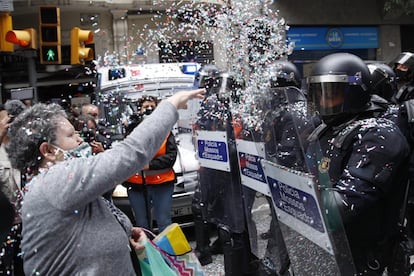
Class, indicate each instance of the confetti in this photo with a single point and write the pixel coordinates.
(249, 33)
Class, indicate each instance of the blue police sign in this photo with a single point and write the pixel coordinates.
(297, 203)
(250, 166)
(212, 150)
(251, 172)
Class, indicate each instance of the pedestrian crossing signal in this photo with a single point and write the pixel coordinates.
(50, 54)
(50, 35)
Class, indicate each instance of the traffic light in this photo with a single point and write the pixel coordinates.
(5, 26)
(78, 42)
(50, 35)
(24, 38)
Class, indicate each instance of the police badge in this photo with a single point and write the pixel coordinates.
(324, 165)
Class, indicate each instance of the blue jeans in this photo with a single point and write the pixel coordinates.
(159, 197)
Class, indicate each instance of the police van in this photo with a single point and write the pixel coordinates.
(118, 89)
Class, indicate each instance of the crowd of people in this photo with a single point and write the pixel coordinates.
(356, 139)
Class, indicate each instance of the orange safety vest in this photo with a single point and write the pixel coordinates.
(155, 176)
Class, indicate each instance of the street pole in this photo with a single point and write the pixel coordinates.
(31, 69)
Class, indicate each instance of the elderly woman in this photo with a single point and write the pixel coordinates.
(68, 228)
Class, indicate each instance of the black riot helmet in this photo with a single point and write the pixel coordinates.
(403, 66)
(221, 83)
(283, 74)
(339, 85)
(207, 78)
(228, 86)
(383, 80)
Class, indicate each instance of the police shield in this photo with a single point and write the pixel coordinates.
(300, 231)
(266, 240)
(220, 195)
(218, 174)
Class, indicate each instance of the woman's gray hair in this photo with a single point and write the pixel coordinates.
(28, 131)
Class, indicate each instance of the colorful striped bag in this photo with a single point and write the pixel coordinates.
(177, 252)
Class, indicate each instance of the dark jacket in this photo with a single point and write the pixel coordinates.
(366, 163)
(6, 216)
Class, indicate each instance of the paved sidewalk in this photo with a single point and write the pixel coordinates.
(216, 268)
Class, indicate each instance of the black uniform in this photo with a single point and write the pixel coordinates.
(367, 164)
(399, 108)
(7, 216)
(405, 93)
(404, 98)
(286, 131)
(360, 161)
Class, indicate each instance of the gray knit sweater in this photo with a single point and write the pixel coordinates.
(67, 227)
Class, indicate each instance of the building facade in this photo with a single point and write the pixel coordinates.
(125, 31)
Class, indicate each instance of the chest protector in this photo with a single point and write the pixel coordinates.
(152, 177)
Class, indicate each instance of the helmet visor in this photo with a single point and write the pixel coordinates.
(406, 59)
(327, 98)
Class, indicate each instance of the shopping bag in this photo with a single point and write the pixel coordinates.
(153, 263)
(172, 240)
(176, 250)
(186, 265)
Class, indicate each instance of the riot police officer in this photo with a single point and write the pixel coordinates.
(287, 110)
(363, 157)
(282, 146)
(385, 86)
(220, 197)
(403, 67)
(207, 78)
(384, 80)
(383, 91)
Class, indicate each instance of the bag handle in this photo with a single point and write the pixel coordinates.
(154, 244)
(152, 235)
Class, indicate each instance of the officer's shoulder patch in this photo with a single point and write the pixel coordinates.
(324, 164)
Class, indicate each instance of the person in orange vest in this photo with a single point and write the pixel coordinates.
(153, 187)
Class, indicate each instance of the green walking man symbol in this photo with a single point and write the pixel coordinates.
(50, 55)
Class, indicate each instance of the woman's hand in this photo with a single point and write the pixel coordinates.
(4, 126)
(137, 238)
(180, 99)
(97, 146)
